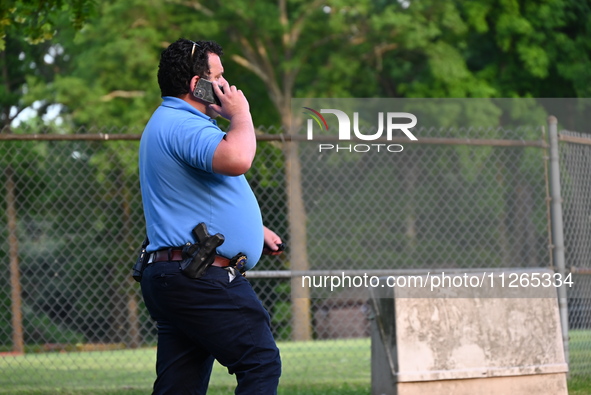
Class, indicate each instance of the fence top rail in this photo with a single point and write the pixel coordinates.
(573, 137)
(284, 138)
(68, 137)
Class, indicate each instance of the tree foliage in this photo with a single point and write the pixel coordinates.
(36, 20)
(29, 59)
(276, 50)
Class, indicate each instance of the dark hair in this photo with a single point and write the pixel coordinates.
(182, 60)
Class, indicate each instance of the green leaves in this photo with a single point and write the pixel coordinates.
(36, 20)
(276, 50)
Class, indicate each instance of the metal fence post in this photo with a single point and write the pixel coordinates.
(558, 229)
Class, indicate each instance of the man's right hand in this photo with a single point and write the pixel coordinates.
(235, 153)
(233, 101)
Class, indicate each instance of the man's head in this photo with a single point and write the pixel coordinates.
(183, 60)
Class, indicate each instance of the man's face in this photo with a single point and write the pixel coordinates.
(216, 75)
(216, 70)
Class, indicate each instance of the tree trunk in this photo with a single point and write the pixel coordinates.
(126, 302)
(504, 245)
(410, 187)
(18, 344)
(300, 296)
(296, 214)
(133, 321)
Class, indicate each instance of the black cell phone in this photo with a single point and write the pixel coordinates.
(204, 91)
(280, 247)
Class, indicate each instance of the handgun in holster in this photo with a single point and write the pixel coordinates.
(199, 256)
(141, 262)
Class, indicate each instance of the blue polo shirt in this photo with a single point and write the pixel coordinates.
(179, 188)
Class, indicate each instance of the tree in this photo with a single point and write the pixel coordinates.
(13, 76)
(36, 20)
(491, 48)
(532, 48)
(278, 54)
(336, 48)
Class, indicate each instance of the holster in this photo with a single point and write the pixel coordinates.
(141, 262)
(199, 256)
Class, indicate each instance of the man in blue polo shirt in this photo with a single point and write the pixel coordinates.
(192, 172)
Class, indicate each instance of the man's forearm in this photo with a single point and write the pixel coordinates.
(242, 137)
(236, 151)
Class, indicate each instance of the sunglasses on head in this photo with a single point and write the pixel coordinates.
(193, 50)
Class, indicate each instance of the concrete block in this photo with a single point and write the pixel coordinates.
(467, 340)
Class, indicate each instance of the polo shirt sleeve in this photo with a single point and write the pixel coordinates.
(197, 143)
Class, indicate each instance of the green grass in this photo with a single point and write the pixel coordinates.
(579, 385)
(580, 352)
(320, 367)
(334, 367)
(580, 361)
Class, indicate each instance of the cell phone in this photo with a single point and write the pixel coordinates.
(204, 91)
(280, 247)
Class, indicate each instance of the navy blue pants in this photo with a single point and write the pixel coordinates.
(209, 318)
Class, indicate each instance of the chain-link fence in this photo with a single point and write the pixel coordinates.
(575, 177)
(73, 223)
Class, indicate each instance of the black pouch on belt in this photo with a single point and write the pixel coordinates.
(141, 262)
(199, 256)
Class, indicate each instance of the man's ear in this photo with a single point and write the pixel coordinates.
(193, 83)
